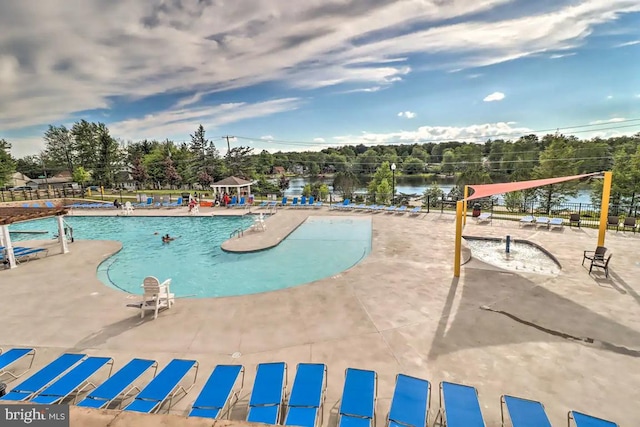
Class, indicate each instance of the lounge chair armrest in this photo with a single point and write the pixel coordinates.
(166, 283)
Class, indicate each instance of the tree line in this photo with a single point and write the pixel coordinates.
(94, 156)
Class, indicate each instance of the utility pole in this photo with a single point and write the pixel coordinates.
(228, 144)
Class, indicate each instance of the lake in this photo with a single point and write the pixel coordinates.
(410, 186)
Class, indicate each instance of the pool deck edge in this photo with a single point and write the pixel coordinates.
(278, 227)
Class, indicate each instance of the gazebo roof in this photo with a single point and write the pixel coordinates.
(232, 181)
(9, 215)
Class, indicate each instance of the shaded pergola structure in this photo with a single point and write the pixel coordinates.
(232, 182)
(486, 190)
(10, 215)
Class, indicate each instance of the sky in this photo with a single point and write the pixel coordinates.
(304, 75)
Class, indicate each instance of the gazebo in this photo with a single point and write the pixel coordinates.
(9, 215)
(225, 185)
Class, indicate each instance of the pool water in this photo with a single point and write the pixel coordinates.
(321, 247)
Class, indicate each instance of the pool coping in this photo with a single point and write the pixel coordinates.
(529, 242)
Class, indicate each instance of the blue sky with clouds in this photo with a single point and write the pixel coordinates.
(320, 72)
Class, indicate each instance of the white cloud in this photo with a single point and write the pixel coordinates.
(613, 120)
(319, 140)
(609, 96)
(472, 133)
(181, 121)
(631, 43)
(562, 55)
(495, 96)
(137, 49)
(365, 89)
(407, 114)
(267, 138)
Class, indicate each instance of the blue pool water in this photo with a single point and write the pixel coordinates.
(321, 247)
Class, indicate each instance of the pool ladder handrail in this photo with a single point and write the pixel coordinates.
(239, 232)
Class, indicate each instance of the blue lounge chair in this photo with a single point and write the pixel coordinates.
(311, 202)
(527, 220)
(272, 205)
(556, 222)
(358, 406)
(13, 356)
(523, 412)
(36, 205)
(483, 217)
(410, 402)
(303, 202)
(49, 205)
(459, 406)
(43, 377)
(584, 420)
(415, 211)
(542, 220)
(265, 405)
(391, 209)
(342, 205)
(263, 204)
(73, 382)
(118, 386)
(294, 204)
(164, 386)
(304, 408)
(401, 210)
(26, 205)
(234, 201)
(218, 393)
(241, 203)
(284, 202)
(176, 204)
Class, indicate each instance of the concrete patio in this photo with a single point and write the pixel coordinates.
(571, 341)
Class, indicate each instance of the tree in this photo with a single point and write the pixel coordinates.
(413, 165)
(239, 162)
(85, 137)
(432, 194)
(383, 192)
(306, 190)
(319, 190)
(345, 183)
(283, 183)
(139, 172)
(204, 179)
(7, 164)
(31, 166)
(448, 159)
(264, 162)
(81, 176)
(59, 146)
(514, 201)
(171, 175)
(382, 173)
(555, 161)
(107, 157)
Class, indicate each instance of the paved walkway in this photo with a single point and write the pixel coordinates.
(571, 341)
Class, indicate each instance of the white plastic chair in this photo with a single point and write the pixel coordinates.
(259, 224)
(156, 296)
(127, 208)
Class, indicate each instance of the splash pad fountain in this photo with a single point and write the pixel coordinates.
(513, 255)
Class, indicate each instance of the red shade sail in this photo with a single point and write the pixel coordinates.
(486, 190)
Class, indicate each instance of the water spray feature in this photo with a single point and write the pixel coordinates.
(513, 255)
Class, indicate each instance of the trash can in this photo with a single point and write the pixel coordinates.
(477, 210)
(185, 198)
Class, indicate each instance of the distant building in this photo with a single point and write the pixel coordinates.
(298, 169)
(18, 180)
(278, 170)
(61, 180)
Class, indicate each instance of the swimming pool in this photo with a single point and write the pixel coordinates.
(321, 247)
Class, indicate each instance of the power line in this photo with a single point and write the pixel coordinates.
(424, 141)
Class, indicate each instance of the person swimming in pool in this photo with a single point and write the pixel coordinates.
(167, 238)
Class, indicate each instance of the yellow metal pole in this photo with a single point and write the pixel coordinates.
(466, 194)
(604, 207)
(457, 263)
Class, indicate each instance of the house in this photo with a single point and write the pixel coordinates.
(278, 170)
(18, 180)
(298, 169)
(61, 180)
(124, 180)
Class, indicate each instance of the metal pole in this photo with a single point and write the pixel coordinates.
(393, 186)
(458, 256)
(604, 207)
(466, 194)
